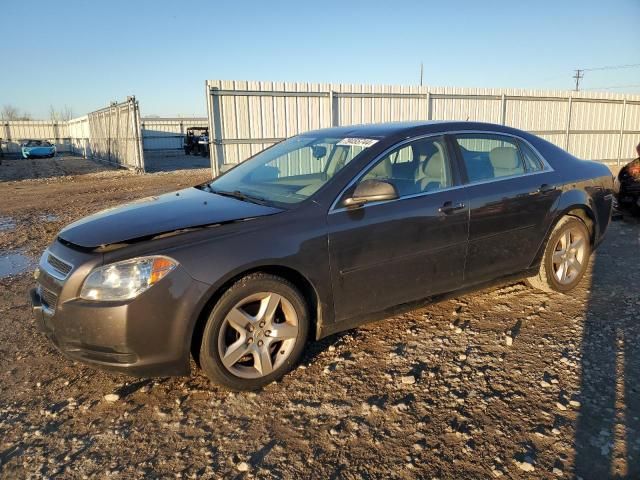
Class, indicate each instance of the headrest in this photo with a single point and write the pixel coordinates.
(434, 166)
(504, 157)
(423, 150)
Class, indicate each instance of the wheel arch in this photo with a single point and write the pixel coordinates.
(300, 281)
(579, 207)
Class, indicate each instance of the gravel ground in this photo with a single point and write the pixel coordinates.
(506, 382)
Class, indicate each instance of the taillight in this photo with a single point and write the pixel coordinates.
(633, 170)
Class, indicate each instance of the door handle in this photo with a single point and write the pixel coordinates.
(544, 188)
(449, 207)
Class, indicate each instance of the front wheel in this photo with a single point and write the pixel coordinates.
(255, 333)
(566, 257)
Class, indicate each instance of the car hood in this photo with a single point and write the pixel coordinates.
(148, 217)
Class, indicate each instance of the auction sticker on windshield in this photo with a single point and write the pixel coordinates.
(358, 142)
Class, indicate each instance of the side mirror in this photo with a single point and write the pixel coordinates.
(371, 191)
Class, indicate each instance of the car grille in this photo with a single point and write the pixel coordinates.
(49, 299)
(61, 267)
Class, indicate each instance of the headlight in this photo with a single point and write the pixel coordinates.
(127, 279)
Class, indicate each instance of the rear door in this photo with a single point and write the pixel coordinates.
(388, 253)
(511, 191)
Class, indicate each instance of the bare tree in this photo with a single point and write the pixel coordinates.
(62, 115)
(9, 112)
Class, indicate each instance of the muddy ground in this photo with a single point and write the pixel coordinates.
(506, 382)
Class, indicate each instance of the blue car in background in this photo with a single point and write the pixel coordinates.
(37, 148)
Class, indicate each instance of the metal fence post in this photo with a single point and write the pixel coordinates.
(138, 135)
(331, 108)
(568, 133)
(620, 138)
(126, 157)
(429, 111)
(109, 134)
(335, 108)
(503, 114)
(216, 154)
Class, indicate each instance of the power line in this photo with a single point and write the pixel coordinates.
(612, 67)
(580, 72)
(613, 87)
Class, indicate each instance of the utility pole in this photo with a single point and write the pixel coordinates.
(578, 76)
(421, 72)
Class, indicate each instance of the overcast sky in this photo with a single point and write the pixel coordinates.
(84, 54)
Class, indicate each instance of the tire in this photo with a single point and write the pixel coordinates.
(553, 265)
(240, 349)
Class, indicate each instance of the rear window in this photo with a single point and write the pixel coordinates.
(531, 160)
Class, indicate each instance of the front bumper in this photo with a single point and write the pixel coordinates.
(147, 336)
(38, 152)
(629, 191)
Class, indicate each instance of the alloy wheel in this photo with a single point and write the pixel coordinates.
(258, 335)
(569, 256)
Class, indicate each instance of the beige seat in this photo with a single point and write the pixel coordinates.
(382, 171)
(432, 175)
(505, 162)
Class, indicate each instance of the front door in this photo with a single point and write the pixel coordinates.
(388, 253)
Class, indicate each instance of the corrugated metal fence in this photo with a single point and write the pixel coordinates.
(111, 134)
(246, 117)
(78, 136)
(114, 135)
(12, 132)
(73, 136)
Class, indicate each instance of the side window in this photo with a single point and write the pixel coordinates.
(531, 160)
(489, 156)
(417, 167)
(403, 155)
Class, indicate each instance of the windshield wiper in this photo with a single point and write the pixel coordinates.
(241, 196)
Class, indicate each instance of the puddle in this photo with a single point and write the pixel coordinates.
(7, 223)
(49, 217)
(15, 264)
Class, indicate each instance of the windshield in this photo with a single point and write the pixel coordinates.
(292, 170)
(37, 143)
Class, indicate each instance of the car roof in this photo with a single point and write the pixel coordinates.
(387, 129)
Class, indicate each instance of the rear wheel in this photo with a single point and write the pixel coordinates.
(566, 257)
(255, 333)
